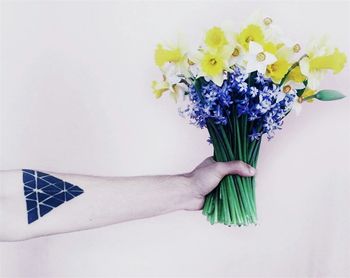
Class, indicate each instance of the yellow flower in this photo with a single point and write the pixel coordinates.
(271, 47)
(163, 55)
(215, 38)
(159, 88)
(309, 92)
(212, 65)
(335, 62)
(296, 75)
(278, 69)
(251, 33)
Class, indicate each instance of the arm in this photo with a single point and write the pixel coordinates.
(99, 201)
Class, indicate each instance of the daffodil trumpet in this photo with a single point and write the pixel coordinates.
(240, 85)
(296, 64)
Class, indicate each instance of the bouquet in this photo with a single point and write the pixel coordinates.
(240, 85)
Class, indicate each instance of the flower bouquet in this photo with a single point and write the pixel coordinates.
(240, 86)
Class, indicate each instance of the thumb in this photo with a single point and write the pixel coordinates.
(236, 168)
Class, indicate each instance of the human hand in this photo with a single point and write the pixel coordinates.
(207, 175)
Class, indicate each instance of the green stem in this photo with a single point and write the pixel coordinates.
(291, 68)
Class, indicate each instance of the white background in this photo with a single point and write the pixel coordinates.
(76, 98)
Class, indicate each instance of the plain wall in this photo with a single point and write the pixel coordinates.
(76, 98)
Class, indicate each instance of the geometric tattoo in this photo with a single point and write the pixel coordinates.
(44, 192)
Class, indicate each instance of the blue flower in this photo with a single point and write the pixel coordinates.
(258, 101)
(255, 135)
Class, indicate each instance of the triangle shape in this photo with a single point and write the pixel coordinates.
(44, 209)
(31, 204)
(32, 215)
(69, 196)
(28, 178)
(27, 190)
(31, 183)
(41, 174)
(51, 190)
(75, 191)
(32, 196)
(28, 171)
(60, 196)
(68, 185)
(60, 185)
(41, 183)
(42, 196)
(53, 202)
(51, 179)
(46, 191)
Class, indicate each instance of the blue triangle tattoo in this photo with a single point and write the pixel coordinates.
(44, 192)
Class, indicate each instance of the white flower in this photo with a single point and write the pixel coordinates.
(289, 87)
(258, 59)
(296, 108)
(272, 32)
(236, 54)
(316, 48)
(313, 77)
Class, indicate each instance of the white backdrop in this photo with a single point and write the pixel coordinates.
(76, 98)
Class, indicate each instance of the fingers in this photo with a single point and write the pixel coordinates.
(235, 168)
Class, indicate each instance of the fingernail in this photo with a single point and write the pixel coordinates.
(251, 170)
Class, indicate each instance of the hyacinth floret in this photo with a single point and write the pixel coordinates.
(244, 94)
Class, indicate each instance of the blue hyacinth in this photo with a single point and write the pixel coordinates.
(252, 95)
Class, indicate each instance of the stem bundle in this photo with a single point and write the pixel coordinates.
(233, 201)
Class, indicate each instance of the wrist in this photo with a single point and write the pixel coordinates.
(190, 199)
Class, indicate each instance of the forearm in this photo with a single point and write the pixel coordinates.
(104, 201)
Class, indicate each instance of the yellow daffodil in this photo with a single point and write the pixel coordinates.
(313, 77)
(253, 33)
(308, 92)
(212, 65)
(321, 57)
(271, 47)
(159, 88)
(279, 68)
(334, 61)
(215, 38)
(296, 75)
(172, 60)
(163, 56)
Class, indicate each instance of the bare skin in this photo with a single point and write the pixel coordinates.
(110, 200)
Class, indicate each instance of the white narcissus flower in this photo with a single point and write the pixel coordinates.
(289, 87)
(171, 57)
(272, 32)
(235, 54)
(321, 57)
(159, 88)
(257, 59)
(313, 77)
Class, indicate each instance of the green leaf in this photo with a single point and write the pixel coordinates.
(301, 91)
(198, 83)
(328, 95)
